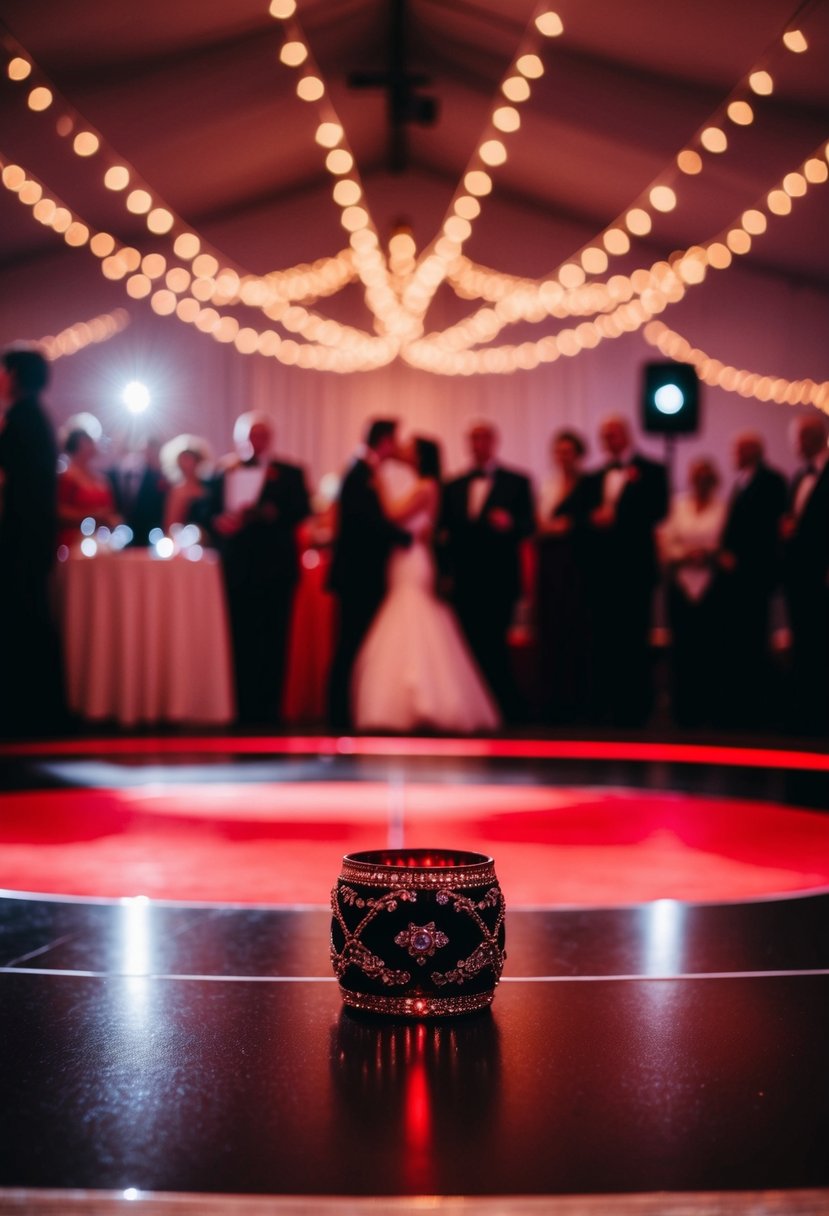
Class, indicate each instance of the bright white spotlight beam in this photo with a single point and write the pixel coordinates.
(136, 397)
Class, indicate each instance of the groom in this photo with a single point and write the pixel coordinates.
(363, 543)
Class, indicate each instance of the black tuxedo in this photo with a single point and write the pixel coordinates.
(364, 541)
(805, 575)
(140, 505)
(484, 567)
(32, 685)
(622, 573)
(261, 569)
(751, 537)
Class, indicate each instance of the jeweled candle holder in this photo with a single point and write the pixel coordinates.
(417, 932)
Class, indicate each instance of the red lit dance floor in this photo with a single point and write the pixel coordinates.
(280, 841)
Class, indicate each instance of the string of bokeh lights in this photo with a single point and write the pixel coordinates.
(399, 287)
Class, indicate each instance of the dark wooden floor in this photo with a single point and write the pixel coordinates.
(661, 1058)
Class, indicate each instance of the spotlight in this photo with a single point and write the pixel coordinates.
(136, 397)
(670, 399)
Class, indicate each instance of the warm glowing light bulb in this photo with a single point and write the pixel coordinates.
(205, 266)
(778, 202)
(346, 192)
(663, 198)
(86, 143)
(795, 41)
(160, 220)
(186, 246)
(469, 208)
(477, 182)
(506, 118)
(117, 178)
(310, 88)
(339, 161)
(30, 193)
(761, 83)
(516, 88)
(139, 202)
(13, 177)
(754, 222)
(102, 244)
(493, 152)
(328, 134)
(19, 69)
(163, 303)
(638, 221)
(354, 218)
(795, 185)
(457, 229)
(616, 241)
(138, 286)
(714, 139)
(549, 24)
(738, 241)
(689, 161)
(292, 54)
(76, 235)
(741, 113)
(62, 219)
(594, 260)
(154, 265)
(530, 66)
(282, 9)
(719, 256)
(44, 210)
(815, 170)
(40, 98)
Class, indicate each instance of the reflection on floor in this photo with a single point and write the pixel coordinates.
(662, 1056)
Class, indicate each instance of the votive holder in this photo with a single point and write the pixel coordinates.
(417, 932)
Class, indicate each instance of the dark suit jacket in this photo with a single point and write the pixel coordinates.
(627, 549)
(806, 553)
(751, 529)
(144, 510)
(264, 550)
(28, 521)
(479, 558)
(365, 537)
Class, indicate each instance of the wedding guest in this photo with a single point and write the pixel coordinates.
(689, 542)
(486, 516)
(628, 498)
(141, 487)
(749, 562)
(31, 701)
(363, 542)
(83, 492)
(252, 512)
(805, 536)
(562, 607)
(183, 461)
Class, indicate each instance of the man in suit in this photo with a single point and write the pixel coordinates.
(749, 572)
(32, 697)
(363, 543)
(628, 497)
(141, 490)
(253, 509)
(486, 515)
(804, 531)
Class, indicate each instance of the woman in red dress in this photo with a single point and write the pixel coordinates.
(82, 491)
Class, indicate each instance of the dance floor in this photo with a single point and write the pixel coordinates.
(172, 1039)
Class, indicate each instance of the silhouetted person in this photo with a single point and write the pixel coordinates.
(805, 535)
(253, 509)
(690, 543)
(487, 514)
(629, 496)
(31, 701)
(363, 543)
(141, 489)
(749, 564)
(563, 623)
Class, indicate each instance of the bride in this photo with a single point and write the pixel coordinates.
(414, 670)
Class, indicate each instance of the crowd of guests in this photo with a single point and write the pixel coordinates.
(428, 573)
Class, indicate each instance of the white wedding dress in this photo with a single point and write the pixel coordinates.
(414, 670)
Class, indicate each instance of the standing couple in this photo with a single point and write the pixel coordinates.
(401, 663)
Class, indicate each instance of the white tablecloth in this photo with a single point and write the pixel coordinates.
(146, 639)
